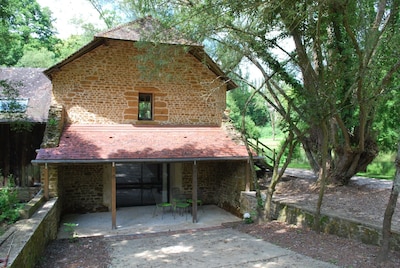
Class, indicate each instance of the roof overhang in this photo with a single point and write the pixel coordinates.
(89, 144)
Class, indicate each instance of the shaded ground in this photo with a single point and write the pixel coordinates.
(83, 252)
(339, 251)
(362, 201)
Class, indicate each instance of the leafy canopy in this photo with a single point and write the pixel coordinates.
(24, 25)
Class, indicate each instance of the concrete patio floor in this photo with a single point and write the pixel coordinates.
(139, 220)
(142, 240)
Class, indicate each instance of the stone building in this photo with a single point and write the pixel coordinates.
(131, 116)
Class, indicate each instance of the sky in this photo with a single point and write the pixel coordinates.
(65, 10)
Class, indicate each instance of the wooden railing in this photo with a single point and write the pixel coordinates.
(263, 150)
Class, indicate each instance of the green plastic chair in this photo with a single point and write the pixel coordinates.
(159, 203)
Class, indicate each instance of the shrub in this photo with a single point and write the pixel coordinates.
(9, 203)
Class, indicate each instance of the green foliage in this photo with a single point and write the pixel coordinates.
(9, 203)
(256, 116)
(296, 151)
(387, 121)
(108, 11)
(74, 42)
(383, 167)
(24, 24)
(256, 108)
(41, 58)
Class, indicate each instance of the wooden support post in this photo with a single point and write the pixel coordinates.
(46, 182)
(113, 197)
(194, 193)
(248, 175)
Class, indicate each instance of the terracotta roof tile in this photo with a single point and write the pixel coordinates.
(127, 142)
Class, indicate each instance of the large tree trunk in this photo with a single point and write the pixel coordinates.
(387, 220)
(343, 162)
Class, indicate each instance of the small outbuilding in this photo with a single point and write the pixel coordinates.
(137, 111)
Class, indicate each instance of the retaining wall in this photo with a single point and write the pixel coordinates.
(28, 238)
(330, 223)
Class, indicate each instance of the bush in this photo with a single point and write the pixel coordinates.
(9, 203)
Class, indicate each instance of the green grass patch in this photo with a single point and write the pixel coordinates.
(271, 143)
(381, 168)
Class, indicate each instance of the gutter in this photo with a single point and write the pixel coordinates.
(130, 160)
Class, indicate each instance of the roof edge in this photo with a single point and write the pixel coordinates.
(152, 160)
(96, 42)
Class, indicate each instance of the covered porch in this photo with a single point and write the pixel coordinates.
(140, 220)
(82, 170)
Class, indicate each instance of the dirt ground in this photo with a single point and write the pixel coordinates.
(95, 251)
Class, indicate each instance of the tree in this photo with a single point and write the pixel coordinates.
(108, 15)
(23, 23)
(256, 115)
(339, 58)
(387, 221)
(41, 58)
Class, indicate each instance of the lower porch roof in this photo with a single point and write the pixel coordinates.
(129, 143)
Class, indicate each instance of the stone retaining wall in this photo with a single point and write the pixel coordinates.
(331, 224)
(30, 237)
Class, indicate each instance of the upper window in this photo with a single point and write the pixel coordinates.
(145, 106)
(13, 105)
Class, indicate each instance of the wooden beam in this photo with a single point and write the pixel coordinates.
(194, 193)
(248, 176)
(46, 182)
(113, 197)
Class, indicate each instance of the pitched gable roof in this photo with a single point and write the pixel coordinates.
(32, 85)
(148, 30)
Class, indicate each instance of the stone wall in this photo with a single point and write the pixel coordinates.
(349, 228)
(102, 86)
(31, 236)
(206, 180)
(82, 187)
(231, 181)
(219, 182)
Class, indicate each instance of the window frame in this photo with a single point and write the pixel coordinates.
(148, 99)
(9, 105)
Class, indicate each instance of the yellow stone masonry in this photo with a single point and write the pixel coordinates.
(102, 87)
